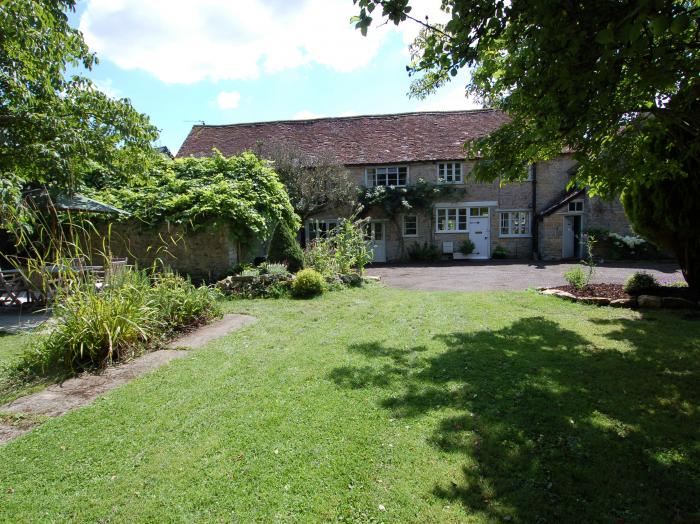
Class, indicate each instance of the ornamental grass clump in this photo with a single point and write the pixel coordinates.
(130, 314)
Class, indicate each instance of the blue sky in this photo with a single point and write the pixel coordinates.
(229, 61)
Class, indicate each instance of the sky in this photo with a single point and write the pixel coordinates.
(185, 62)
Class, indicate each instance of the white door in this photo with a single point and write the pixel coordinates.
(375, 234)
(479, 227)
(572, 239)
(567, 250)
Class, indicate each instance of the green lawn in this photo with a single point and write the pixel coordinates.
(384, 405)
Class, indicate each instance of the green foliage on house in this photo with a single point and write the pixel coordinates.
(242, 191)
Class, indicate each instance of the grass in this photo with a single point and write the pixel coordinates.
(383, 405)
(11, 348)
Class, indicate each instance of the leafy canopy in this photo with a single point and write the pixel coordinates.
(573, 75)
(315, 183)
(56, 127)
(240, 190)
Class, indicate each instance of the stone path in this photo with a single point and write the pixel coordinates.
(57, 399)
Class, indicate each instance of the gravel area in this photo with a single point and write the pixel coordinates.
(509, 275)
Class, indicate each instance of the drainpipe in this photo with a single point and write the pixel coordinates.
(535, 221)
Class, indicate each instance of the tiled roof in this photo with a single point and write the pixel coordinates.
(565, 198)
(355, 140)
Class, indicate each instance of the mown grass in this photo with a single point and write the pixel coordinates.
(383, 405)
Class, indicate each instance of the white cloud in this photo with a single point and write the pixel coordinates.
(228, 99)
(107, 87)
(305, 114)
(180, 41)
(451, 97)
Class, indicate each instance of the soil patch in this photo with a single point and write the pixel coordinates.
(79, 391)
(611, 291)
(615, 291)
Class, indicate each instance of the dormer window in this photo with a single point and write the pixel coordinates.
(450, 173)
(386, 176)
(576, 206)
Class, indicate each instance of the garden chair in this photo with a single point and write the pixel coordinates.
(12, 285)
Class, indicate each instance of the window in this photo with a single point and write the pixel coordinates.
(450, 173)
(479, 212)
(576, 206)
(410, 226)
(451, 219)
(386, 176)
(320, 228)
(515, 224)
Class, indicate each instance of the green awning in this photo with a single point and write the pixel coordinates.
(75, 202)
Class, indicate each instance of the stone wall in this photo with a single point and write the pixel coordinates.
(552, 180)
(207, 253)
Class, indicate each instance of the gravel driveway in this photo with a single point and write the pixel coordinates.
(493, 275)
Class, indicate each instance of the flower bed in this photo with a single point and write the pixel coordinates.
(670, 297)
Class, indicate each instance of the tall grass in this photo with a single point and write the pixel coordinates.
(133, 312)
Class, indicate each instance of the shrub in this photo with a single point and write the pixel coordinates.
(273, 268)
(284, 248)
(466, 247)
(640, 282)
(499, 252)
(351, 249)
(308, 283)
(577, 277)
(180, 304)
(423, 253)
(319, 256)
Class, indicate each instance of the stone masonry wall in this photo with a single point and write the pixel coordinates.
(204, 254)
(552, 180)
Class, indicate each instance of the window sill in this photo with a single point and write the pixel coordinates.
(514, 236)
(459, 232)
(410, 236)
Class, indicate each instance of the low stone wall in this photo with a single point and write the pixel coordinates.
(207, 253)
(641, 302)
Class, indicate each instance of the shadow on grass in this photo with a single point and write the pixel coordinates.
(556, 428)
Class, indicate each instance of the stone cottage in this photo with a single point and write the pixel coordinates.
(538, 217)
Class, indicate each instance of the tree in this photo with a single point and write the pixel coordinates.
(602, 79)
(315, 183)
(56, 127)
(284, 248)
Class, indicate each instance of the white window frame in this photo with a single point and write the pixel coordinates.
(311, 225)
(372, 172)
(575, 202)
(455, 168)
(510, 234)
(457, 210)
(403, 226)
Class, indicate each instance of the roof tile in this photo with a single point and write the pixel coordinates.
(356, 140)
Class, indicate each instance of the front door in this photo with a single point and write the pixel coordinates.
(571, 239)
(479, 226)
(375, 235)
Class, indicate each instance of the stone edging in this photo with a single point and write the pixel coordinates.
(642, 301)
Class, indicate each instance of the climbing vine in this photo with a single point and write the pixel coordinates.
(239, 190)
(395, 200)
